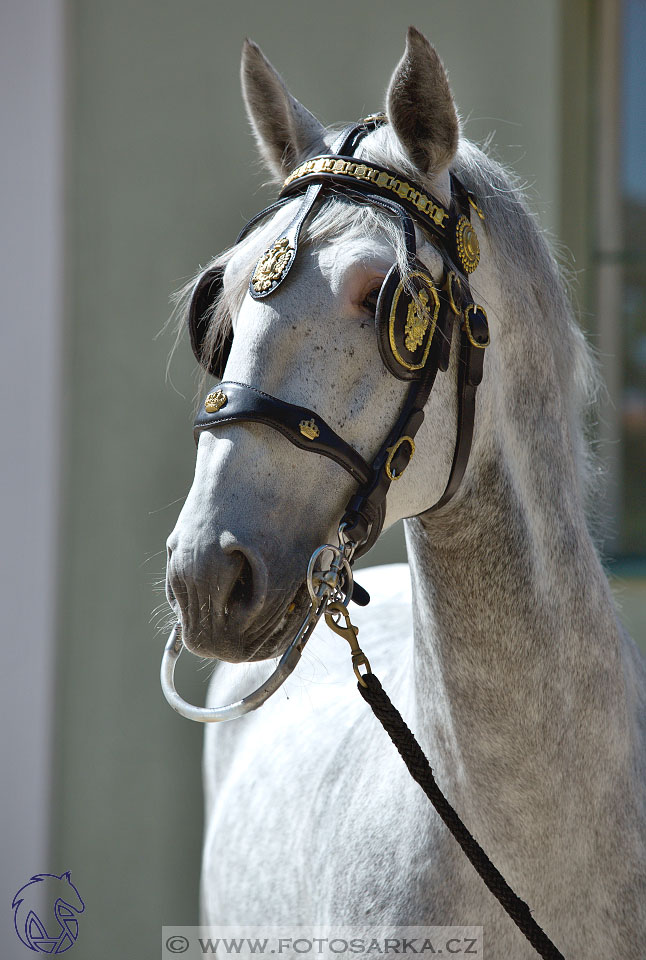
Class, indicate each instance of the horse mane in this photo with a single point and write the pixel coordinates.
(518, 244)
(526, 255)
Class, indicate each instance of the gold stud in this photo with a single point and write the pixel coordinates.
(215, 401)
(309, 429)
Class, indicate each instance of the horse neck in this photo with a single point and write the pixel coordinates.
(518, 666)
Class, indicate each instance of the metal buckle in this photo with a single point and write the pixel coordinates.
(391, 453)
(475, 309)
(349, 632)
(453, 290)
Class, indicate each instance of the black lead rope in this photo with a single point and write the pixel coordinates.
(420, 770)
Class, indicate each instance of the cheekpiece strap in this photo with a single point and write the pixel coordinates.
(474, 338)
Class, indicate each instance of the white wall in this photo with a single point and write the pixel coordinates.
(31, 250)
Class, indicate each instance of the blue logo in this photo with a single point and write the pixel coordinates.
(56, 929)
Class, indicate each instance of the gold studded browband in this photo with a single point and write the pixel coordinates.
(380, 179)
(348, 172)
(373, 184)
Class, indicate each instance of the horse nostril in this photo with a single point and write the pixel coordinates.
(214, 587)
(170, 593)
(242, 589)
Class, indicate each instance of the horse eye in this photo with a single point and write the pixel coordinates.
(369, 302)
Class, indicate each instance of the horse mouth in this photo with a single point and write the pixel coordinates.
(272, 638)
(263, 641)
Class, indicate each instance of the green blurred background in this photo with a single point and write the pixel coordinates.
(128, 162)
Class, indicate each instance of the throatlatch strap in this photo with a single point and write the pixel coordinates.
(470, 366)
(420, 770)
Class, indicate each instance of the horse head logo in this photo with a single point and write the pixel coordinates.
(55, 928)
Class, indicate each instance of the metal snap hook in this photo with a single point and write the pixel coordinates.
(349, 631)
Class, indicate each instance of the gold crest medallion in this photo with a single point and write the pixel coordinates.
(416, 323)
(272, 265)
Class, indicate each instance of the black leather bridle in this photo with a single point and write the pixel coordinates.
(414, 321)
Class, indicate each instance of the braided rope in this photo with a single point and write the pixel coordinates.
(420, 770)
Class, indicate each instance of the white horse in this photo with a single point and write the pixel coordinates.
(501, 645)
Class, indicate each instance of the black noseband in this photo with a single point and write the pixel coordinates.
(238, 402)
(414, 320)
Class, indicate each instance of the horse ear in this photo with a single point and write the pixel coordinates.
(420, 106)
(285, 130)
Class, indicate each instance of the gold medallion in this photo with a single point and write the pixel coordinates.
(416, 323)
(468, 247)
(272, 265)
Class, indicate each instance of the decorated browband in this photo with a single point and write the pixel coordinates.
(455, 230)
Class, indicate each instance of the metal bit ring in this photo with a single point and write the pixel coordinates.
(329, 581)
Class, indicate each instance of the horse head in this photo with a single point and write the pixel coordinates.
(258, 505)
